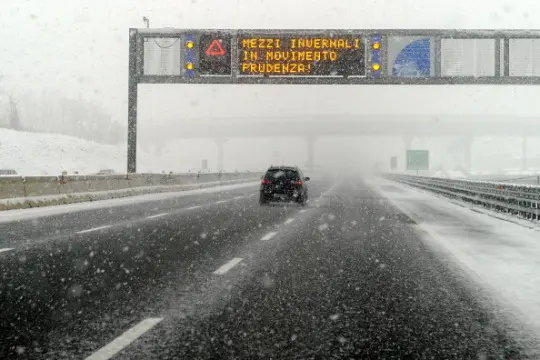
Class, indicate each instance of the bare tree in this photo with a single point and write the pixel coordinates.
(56, 114)
(14, 119)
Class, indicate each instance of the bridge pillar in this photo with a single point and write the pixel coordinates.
(408, 139)
(220, 143)
(158, 149)
(310, 152)
(467, 153)
(524, 153)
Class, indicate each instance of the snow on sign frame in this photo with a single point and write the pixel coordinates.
(329, 56)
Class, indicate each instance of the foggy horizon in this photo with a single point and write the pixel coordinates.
(67, 53)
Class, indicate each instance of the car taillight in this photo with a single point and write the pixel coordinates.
(296, 182)
(266, 182)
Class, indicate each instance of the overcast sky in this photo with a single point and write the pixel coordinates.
(80, 48)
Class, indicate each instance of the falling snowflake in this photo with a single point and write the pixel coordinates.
(323, 227)
(267, 281)
(75, 290)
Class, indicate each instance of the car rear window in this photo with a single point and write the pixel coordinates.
(287, 174)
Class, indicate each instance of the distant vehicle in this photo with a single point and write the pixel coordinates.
(284, 183)
(7, 172)
(106, 172)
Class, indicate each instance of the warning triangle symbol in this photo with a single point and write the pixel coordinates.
(215, 49)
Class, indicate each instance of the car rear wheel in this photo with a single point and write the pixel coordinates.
(263, 200)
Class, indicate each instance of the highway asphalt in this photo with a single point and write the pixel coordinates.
(216, 276)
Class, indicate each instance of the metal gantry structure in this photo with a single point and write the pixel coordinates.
(329, 56)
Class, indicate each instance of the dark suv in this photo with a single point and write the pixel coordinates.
(284, 183)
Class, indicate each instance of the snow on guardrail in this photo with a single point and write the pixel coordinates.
(74, 185)
(522, 200)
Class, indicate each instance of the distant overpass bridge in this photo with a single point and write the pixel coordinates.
(350, 125)
(312, 127)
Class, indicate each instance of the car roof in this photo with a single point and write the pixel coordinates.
(283, 167)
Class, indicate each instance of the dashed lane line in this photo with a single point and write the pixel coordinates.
(157, 215)
(115, 346)
(269, 236)
(94, 229)
(228, 266)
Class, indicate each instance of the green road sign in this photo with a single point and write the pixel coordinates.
(417, 160)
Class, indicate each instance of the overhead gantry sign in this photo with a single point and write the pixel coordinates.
(355, 56)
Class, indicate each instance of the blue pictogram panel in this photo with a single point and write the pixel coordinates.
(414, 60)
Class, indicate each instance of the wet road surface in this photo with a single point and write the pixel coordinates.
(218, 276)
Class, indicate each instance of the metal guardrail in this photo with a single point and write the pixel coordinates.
(516, 199)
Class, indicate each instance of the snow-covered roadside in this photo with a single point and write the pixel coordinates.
(62, 199)
(25, 214)
(500, 257)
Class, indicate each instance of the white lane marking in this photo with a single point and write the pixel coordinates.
(156, 216)
(238, 198)
(5, 249)
(194, 207)
(269, 236)
(228, 266)
(289, 220)
(93, 229)
(115, 346)
(221, 202)
(302, 211)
